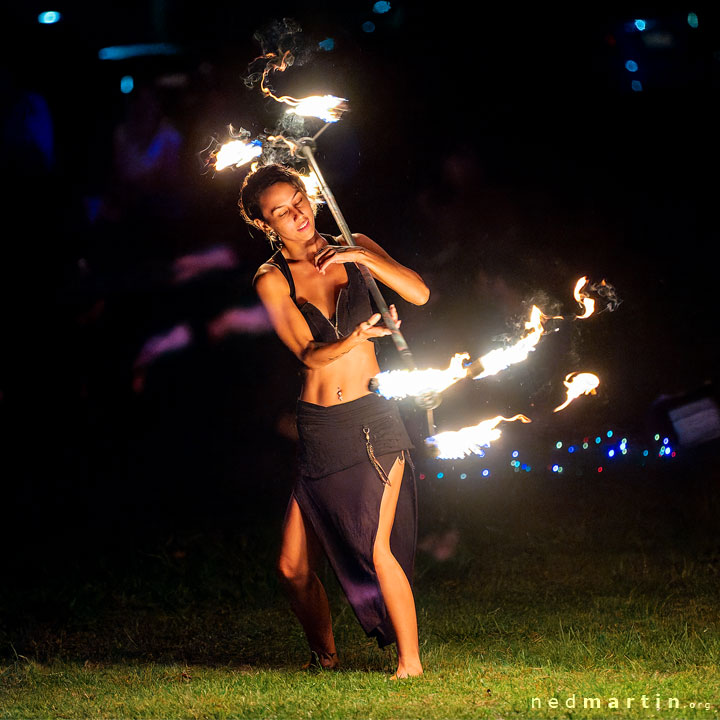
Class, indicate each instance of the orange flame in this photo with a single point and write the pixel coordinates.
(498, 359)
(237, 153)
(326, 107)
(401, 383)
(587, 302)
(313, 188)
(501, 358)
(578, 384)
(453, 445)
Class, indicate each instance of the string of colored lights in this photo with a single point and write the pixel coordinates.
(592, 455)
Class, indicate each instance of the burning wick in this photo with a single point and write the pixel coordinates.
(325, 107)
(454, 445)
(313, 188)
(401, 383)
(237, 153)
(501, 358)
(587, 302)
(578, 384)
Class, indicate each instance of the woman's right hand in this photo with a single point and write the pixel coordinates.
(369, 329)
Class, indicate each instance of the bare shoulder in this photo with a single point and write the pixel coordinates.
(269, 280)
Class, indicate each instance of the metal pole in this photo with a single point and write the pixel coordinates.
(306, 148)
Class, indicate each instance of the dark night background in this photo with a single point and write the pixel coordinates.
(502, 153)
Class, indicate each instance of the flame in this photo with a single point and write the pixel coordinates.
(587, 302)
(326, 107)
(401, 383)
(453, 445)
(578, 384)
(501, 358)
(312, 186)
(237, 153)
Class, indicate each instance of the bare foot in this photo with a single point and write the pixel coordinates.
(407, 672)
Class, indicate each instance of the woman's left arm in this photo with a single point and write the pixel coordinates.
(404, 281)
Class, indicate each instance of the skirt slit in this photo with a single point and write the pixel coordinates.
(344, 510)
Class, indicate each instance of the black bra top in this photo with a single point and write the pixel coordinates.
(352, 307)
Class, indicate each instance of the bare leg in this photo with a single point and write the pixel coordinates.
(298, 559)
(394, 584)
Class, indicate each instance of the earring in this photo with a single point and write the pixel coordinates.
(274, 238)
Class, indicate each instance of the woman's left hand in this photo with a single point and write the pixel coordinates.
(331, 254)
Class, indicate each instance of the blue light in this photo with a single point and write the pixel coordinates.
(640, 25)
(609, 433)
(485, 472)
(368, 26)
(631, 66)
(555, 468)
(611, 453)
(646, 453)
(527, 468)
(127, 84)
(327, 44)
(381, 7)
(481, 453)
(123, 52)
(666, 441)
(662, 450)
(636, 85)
(598, 440)
(463, 476)
(571, 449)
(515, 453)
(692, 20)
(440, 476)
(49, 18)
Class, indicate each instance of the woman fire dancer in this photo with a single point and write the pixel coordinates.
(354, 495)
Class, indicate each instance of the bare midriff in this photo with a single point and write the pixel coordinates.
(350, 374)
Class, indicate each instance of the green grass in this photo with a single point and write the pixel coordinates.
(531, 607)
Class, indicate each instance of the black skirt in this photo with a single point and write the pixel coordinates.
(339, 489)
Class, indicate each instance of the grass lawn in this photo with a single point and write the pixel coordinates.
(586, 614)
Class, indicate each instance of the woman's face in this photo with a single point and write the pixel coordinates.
(288, 212)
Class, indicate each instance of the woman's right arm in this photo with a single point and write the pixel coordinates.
(293, 330)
